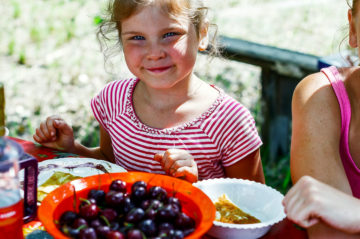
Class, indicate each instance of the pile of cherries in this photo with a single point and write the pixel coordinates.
(142, 213)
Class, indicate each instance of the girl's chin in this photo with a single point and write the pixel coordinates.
(160, 83)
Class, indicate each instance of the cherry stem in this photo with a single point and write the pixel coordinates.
(99, 177)
(81, 227)
(85, 200)
(105, 220)
(74, 201)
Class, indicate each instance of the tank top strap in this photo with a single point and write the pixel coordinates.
(351, 170)
(338, 86)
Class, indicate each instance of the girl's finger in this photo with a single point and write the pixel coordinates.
(312, 221)
(292, 204)
(168, 161)
(292, 210)
(306, 213)
(44, 129)
(37, 139)
(291, 193)
(62, 126)
(179, 164)
(40, 135)
(158, 158)
(186, 173)
(302, 212)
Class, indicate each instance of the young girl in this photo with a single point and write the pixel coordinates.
(326, 146)
(166, 119)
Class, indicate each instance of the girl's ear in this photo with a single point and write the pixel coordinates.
(203, 36)
(352, 30)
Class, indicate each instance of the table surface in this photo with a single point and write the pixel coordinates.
(283, 229)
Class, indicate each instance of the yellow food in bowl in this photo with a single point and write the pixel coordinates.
(57, 179)
(228, 212)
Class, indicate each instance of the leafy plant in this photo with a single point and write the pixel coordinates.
(11, 47)
(277, 172)
(17, 11)
(98, 20)
(22, 58)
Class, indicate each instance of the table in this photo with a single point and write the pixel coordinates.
(285, 229)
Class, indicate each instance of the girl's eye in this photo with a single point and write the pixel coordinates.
(137, 38)
(170, 34)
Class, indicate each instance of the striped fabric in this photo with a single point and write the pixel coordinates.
(218, 138)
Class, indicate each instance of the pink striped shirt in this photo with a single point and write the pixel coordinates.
(220, 137)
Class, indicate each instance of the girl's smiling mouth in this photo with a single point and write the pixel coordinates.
(158, 70)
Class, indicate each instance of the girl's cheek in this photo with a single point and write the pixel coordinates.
(134, 49)
(179, 48)
(134, 44)
(186, 45)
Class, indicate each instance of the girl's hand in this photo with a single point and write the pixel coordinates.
(178, 163)
(55, 133)
(310, 201)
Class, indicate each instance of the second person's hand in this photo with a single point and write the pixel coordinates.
(311, 201)
(55, 133)
(178, 163)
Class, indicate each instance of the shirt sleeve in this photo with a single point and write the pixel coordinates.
(110, 101)
(242, 139)
(98, 108)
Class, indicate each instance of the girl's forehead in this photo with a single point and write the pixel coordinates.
(153, 13)
(165, 10)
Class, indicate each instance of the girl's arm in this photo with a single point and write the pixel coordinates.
(315, 141)
(249, 167)
(104, 152)
(55, 133)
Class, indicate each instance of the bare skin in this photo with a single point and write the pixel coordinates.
(311, 201)
(316, 137)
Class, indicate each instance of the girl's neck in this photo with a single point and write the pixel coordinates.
(169, 98)
(166, 108)
(352, 84)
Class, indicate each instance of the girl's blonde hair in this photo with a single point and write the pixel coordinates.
(353, 6)
(109, 30)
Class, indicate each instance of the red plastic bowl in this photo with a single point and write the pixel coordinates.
(195, 203)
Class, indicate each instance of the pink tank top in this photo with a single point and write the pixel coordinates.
(351, 170)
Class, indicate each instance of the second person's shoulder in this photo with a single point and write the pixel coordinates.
(311, 84)
(313, 89)
(314, 102)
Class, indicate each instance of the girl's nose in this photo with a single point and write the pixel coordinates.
(155, 52)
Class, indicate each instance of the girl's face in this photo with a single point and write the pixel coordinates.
(159, 50)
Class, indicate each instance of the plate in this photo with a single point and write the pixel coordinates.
(81, 167)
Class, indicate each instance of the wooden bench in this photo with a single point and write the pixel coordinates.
(281, 70)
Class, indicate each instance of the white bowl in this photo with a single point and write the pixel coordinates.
(254, 198)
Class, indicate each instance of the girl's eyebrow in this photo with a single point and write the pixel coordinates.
(176, 28)
(131, 33)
